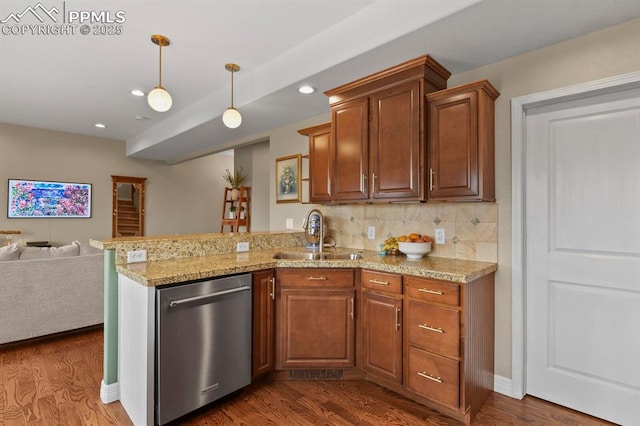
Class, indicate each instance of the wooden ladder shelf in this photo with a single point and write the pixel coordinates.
(238, 202)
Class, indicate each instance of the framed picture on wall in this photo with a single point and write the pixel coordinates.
(288, 179)
(46, 199)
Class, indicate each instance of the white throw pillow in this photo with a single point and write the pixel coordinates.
(10, 252)
(30, 253)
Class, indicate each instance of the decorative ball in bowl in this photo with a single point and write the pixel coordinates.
(415, 250)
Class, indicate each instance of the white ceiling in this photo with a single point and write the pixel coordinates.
(70, 82)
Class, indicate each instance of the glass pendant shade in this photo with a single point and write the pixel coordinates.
(159, 99)
(232, 118)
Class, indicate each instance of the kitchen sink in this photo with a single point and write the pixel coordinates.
(318, 256)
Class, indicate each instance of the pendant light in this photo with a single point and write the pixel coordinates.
(231, 117)
(159, 99)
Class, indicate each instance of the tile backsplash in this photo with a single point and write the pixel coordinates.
(471, 229)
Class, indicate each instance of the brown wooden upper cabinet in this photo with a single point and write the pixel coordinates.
(461, 143)
(319, 162)
(377, 144)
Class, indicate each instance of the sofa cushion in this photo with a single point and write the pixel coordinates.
(30, 253)
(10, 252)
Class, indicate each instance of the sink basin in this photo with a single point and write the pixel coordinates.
(318, 256)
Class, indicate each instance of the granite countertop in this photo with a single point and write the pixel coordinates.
(156, 273)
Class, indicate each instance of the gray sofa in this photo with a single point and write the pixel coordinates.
(49, 290)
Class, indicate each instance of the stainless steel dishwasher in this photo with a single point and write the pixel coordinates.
(203, 343)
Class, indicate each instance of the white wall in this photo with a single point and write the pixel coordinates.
(285, 141)
(256, 162)
(182, 198)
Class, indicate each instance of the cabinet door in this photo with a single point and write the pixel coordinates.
(350, 155)
(461, 143)
(382, 335)
(453, 146)
(320, 164)
(397, 154)
(316, 328)
(263, 323)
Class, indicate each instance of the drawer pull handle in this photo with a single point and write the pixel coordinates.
(317, 278)
(378, 282)
(426, 290)
(429, 376)
(397, 318)
(426, 327)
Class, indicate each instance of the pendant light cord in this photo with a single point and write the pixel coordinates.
(231, 88)
(160, 66)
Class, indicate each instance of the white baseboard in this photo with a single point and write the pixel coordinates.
(109, 393)
(502, 385)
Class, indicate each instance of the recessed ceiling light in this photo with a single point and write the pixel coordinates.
(306, 89)
(137, 92)
(101, 126)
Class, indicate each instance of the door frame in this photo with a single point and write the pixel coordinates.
(519, 107)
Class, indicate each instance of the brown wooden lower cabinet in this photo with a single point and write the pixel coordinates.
(382, 335)
(316, 318)
(429, 340)
(381, 324)
(449, 342)
(263, 323)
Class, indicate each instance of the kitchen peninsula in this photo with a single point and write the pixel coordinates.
(456, 296)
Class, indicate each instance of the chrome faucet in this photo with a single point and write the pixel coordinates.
(314, 229)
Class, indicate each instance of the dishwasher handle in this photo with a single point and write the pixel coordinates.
(175, 303)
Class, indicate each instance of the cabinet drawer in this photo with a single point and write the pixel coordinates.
(380, 281)
(434, 376)
(316, 277)
(433, 291)
(434, 328)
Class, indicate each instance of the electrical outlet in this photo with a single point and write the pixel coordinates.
(440, 236)
(244, 246)
(371, 233)
(136, 256)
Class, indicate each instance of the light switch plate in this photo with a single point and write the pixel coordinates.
(371, 232)
(440, 239)
(288, 223)
(136, 256)
(244, 246)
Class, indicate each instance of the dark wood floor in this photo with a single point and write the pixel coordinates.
(56, 381)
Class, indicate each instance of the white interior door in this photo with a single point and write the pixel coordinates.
(582, 255)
